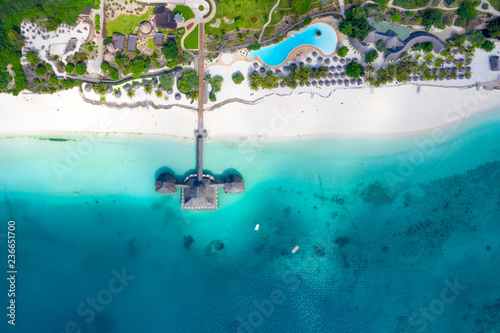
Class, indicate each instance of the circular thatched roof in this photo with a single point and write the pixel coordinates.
(327, 61)
(327, 83)
(308, 60)
(118, 94)
(145, 27)
(109, 89)
(170, 91)
(137, 85)
(333, 82)
(262, 70)
(255, 65)
(87, 87)
(335, 58)
(177, 96)
(342, 60)
(127, 86)
(314, 53)
(320, 59)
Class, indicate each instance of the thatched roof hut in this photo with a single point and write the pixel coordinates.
(127, 87)
(165, 183)
(118, 94)
(137, 85)
(109, 89)
(314, 53)
(87, 87)
(108, 56)
(494, 64)
(177, 96)
(234, 184)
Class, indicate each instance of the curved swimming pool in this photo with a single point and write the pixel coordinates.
(276, 54)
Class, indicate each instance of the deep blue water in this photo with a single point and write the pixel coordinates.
(396, 234)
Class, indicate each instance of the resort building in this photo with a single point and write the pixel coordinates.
(119, 42)
(165, 18)
(132, 42)
(158, 38)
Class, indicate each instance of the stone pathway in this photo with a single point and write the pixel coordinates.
(269, 19)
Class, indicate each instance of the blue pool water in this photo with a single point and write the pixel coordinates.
(275, 54)
(379, 238)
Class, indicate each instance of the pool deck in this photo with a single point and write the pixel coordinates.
(297, 54)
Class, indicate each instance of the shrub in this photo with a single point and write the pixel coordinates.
(81, 68)
(279, 38)
(48, 67)
(167, 81)
(449, 2)
(212, 97)
(318, 33)
(355, 25)
(467, 11)
(40, 70)
(485, 6)
(105, 66)
(396, 18)
(488, 46)
(32, 58)
(432, 17)
(172, 63)
(238, 78)
(170, 50)
(371, 56)
(36, 81)
(113, 73)
(301, 6)
(108, 40)
(254, 47)
(494, 28)
(188, 81)
(215, 82)
(354, 70)
(476, 37)
(69, 68)
(342, 52)
(53, 80)
(307, 21)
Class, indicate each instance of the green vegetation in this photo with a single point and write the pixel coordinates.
(306, 22)
(138, 66)
(188, 81)
(468, 10)
(53, 80)
(113, 73)
(172, 63)
(494, 28)
(238, 78)
(97, 22)
(11, 16)
(105, 66)
(191, 40)
(400, 71)
(424, 46)
(185, 11)
(107, 40)
(126, 23)
(411, 4)
(354, 70)
(318, 33)
(40, 70)
(81, 68)
(253, 47)
(342, 52)
(32, 58)
(200, 8)
(432, 17)
(355, 25)
(167, 81)
(301, 6)
(266, 81)
(476, 38)
(215, 82)
(170, 50)
(212, 97)
(488, 45)
(371, 56)
(100, 88)
(396, 18)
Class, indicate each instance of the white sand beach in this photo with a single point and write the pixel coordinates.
(346, 111)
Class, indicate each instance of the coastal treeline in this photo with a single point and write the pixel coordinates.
(52, 12)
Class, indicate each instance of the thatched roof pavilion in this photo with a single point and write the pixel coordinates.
(165, 183)
(234, 184)
(87, 87)
(199, 194)
(145, 27)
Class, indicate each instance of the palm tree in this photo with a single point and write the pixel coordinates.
(159, 94)
(148, 88)
(130, 93)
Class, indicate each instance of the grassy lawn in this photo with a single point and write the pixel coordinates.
(495, 4)
(151, 43)
(191, 41)
(411, 4)
(457, 3)
(185, 10)
(245, 9)
(125, 24)
(402, 32)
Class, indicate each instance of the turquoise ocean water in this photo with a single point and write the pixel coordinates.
(395, 234)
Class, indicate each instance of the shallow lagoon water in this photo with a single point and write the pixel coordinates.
(382, 230)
